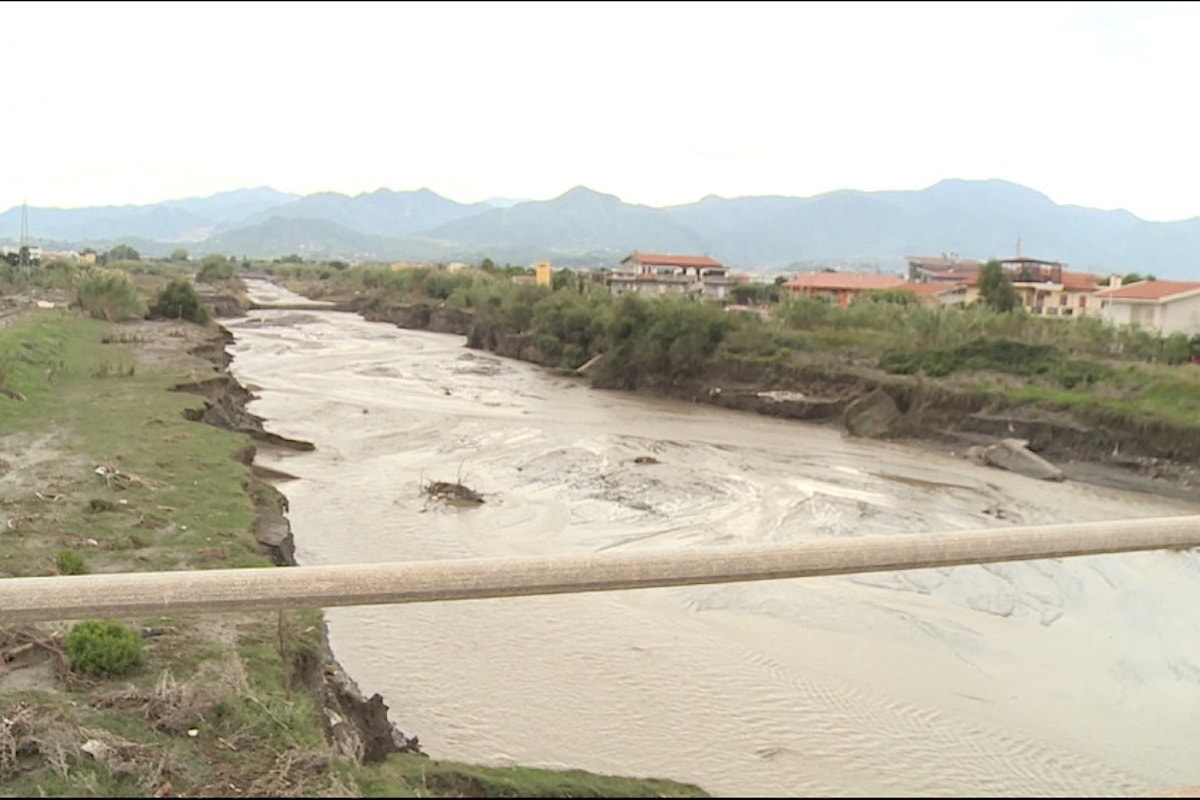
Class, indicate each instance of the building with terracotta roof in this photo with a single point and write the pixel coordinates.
(1048, 288)
(938, 293)
(841, 288)
(658, 273)
(1045, 288)
(949, 268)
(1163, 306)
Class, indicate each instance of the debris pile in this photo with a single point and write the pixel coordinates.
(453, 493)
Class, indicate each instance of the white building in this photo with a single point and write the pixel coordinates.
(1165, 307)
(656, 273)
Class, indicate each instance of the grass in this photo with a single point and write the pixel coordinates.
(102, 471)
(165, 477)
(427, 778)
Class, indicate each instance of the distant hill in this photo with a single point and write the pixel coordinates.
(313, 239)
(191, 219)
(847, 228)
(579, 221)
(235, 206)
(380, 213)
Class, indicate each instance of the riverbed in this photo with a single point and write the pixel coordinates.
(1069, 677)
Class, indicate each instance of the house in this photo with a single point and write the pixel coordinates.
(1036, 282)
(947, 269)
(1165, 307)
(1048, 288)
(938, 293)
(1076, 298)
(657, 274)
(841, 287)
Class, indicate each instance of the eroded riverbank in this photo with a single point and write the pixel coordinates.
(1060, 677)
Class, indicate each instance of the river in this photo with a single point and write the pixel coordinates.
(1068, 677)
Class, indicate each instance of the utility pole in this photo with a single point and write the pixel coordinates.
(23, 259)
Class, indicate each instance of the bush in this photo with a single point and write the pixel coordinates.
(108, 295)
(214, 269)
(70, 562)
(550, 346)
(178, 300)
(573, 356)
(102, 647)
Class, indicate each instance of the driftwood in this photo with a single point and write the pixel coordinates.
(453, 492)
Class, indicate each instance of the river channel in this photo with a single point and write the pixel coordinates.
(1069, 677)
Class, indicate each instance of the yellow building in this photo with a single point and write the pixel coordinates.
(541, 271)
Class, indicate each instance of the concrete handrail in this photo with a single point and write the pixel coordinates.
(25, 600)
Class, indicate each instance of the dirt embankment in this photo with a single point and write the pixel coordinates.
(1110, 450)
(357, 725)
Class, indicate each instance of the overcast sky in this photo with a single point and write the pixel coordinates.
(1094, 104)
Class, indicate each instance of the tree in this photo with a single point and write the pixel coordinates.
(215, 268)
(179, 254)
(178, 300)
(1135, 277)
(995, 289)
(121, 252)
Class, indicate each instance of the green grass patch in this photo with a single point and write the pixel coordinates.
(413, 776)
(162, 475)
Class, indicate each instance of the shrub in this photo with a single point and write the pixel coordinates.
(574, 356)
(178, 300)
(550, 346)
(70, 562)
(103, 647)
(108, 295)
(215, 268)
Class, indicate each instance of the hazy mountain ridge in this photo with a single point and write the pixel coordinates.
(976, 219)
(380, 213)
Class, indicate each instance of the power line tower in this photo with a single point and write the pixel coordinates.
(23, 259)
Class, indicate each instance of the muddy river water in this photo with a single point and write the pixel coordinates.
(1062, 677)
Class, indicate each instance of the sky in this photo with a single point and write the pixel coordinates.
(1092, 104)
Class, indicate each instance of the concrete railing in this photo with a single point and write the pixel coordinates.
(208, 591)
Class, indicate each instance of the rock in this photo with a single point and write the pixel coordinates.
(873, 415)
(1015, 455)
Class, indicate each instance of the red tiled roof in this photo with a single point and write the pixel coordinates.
(934, 288)
(862, 281)
(1082, 281)
(661, 260)
(1149, 290)
(960, 275)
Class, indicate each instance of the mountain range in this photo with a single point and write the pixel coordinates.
(976, 219)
